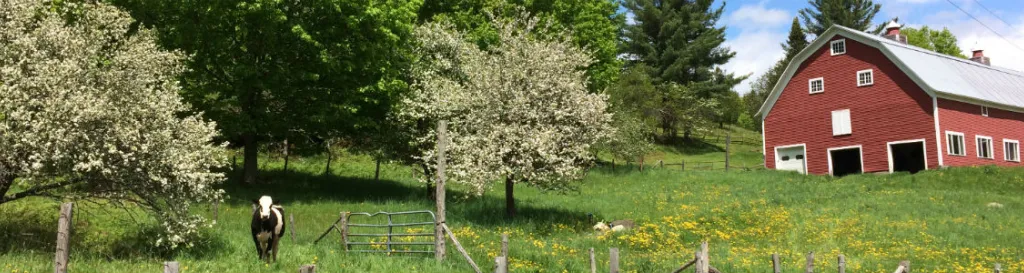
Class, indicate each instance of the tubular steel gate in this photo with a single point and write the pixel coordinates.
(366, 232)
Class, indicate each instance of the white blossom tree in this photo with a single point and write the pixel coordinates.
(89, 109)
(518, 112)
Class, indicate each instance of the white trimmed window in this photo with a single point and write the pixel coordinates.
(984, 111)
(838, 47)
(955, 143)
(816, 85)
(984, 146)
(1011, 150)
(841, 122)
(865, 77)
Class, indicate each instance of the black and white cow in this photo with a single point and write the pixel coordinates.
(267, 227)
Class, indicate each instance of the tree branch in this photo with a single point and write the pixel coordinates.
(38, 190)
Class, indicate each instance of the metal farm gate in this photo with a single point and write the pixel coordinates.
(376, 232)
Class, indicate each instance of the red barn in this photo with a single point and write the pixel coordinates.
(854, 102)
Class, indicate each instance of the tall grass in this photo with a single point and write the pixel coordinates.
(939, 220)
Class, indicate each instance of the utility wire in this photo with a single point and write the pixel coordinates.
(986, 26)
(993, 14)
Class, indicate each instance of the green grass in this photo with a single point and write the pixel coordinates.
(939, 220)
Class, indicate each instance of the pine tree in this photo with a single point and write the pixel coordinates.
(855, 14)
(679, 41)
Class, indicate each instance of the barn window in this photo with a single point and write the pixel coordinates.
(799, 157)
(1011, 150)
(984, 146)
(785, 158)
(984, 111)
(865, 77)
(841, 122)
(955, 143)
(838, 47)
(816, 85)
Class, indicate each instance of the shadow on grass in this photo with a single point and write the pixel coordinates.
(486, 210)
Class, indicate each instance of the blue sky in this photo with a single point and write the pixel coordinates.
(755, 28)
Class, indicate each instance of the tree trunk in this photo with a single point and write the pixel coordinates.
(327, 169)
(376, 173)
(286, 155)
(510, 200)
(431, 194)
(5, 185)
(250, 169)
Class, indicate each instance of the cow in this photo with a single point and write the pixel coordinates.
(267, 227)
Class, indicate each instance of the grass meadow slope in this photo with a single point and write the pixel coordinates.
(939, 220)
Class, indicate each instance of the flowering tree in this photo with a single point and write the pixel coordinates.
(518, 111)
(89, 109)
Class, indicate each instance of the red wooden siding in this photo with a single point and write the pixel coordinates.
(967, 119)
(893, 109)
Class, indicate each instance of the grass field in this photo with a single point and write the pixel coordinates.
(939, 220)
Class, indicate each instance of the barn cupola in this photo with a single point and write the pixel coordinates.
(978, 55)
(892, 31)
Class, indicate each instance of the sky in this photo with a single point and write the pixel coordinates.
(756, 28)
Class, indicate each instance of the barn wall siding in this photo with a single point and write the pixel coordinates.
(892, 109)
(967, 119)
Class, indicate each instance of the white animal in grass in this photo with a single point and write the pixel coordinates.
(267, 227)
(614, 226)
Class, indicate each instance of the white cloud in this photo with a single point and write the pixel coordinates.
(756, 51)
(757, 16)
(1007, 53)
(757, 46)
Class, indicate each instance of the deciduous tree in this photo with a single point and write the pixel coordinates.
(518, 112)
(89, 109)
(941, 41)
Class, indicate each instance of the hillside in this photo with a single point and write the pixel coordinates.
(939, 220)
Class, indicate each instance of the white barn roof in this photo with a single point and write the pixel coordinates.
(940, 75)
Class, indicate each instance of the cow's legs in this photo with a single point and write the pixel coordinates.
(276, 240)
(259, 249)
(270, 247)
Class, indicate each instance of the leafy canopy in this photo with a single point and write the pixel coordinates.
(941, 41)
(92, 111)
(519, 110)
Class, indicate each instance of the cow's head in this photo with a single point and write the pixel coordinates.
(263, 205)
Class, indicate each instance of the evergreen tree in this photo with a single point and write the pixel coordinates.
(679, 41)
(760, 88)
(855, 14)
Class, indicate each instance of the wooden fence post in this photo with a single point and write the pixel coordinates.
(311, 268)
(842, 263)
(460, 248)
(291, 220)
(661, 164)
(500, 264)
(439, 241)
(703, 263)
(810, 262)
(60, 263)
(171, 267)
(682, 165)
(593, 262)
(344, 230)
(776, 266)
(504, 245)
(728, 138)
(613, 260)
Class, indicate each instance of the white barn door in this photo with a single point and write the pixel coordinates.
(791, 159)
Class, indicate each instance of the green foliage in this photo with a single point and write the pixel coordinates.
(855, 14)
(746, 122)
(276, 68)
(682, 45)
(594, 25)
(731, 105)
(941, 41)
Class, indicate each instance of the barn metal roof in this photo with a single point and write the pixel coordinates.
(938, 74)
(954, 76)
